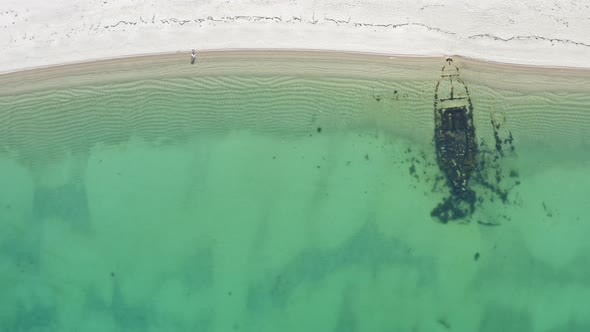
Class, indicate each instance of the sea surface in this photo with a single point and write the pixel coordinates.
(295, 198)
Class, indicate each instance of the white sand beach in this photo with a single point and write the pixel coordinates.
(549, 33)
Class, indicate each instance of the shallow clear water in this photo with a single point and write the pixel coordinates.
(287, 203)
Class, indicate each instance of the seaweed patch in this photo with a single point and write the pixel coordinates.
(68, 201)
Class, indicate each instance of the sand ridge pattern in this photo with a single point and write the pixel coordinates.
(289, 97)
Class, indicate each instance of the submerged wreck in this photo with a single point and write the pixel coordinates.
(455, 142)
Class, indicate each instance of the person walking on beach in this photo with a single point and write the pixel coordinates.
(193, 57)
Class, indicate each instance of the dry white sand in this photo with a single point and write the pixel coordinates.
(37, 33)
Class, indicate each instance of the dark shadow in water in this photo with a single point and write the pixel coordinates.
(525, 273)
(31, 318)
(23, 249)
(126, 316)
(521, 269)
(197, 274)
(499, 318)
(129, 317)
(68, 202)
(572, 326)
(347, 321)
(367, 249)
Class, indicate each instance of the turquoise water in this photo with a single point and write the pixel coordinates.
(226, 202)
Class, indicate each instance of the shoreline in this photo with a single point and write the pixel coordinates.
(299, 51)
(298, 62)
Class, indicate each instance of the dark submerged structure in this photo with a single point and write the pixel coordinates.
(456, 145)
